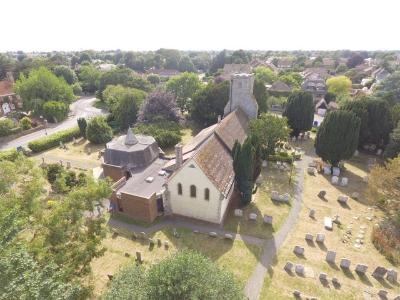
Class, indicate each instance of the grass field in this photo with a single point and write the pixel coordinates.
(355, 216)
(235, 256)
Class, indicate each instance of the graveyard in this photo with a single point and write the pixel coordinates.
(329, 253)
(235, 255)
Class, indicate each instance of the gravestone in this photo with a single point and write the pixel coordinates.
(134, 236)
(335, 171)
(196, 231)
(323, 277)
(312, 171)
(335, 180)
(267, 219)
(335, 280)
(383, 294)
(285, 197)
(275, 195)
(212, 234)
(228, 236)
(342, 199)
(330, 256)
(238, 212)
(299, 269)
(143, 235)
(327, 170)
(253, 216)
(151, 242)
(391, 275)
(159, 242)
(138, 257)
(379, 272)
(328, 223)
(356, 153)
(344, 182)
(355, 195)
(166, 245)
(320, 238)
(345, 263)
(365, 179)
(379, 152)
(309, 237)
(322, 194)
(288, 267)
(298, 250)
(311, 213)
(68, 165)
(296, 294)
(264, 164)
(361, 269)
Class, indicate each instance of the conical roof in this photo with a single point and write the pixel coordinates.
(130, 138)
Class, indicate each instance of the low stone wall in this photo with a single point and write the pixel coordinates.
(8, 138)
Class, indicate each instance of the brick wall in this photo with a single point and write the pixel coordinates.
(114, 172)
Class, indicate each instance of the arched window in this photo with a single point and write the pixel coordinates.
(207, 194)
(193, 191)
(179, 189)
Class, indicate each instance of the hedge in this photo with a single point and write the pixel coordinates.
(288, 158)
(8, 155)
(54, 140)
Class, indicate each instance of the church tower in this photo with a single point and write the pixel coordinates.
(241, 95)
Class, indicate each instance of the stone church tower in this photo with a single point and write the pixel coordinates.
(241, 95)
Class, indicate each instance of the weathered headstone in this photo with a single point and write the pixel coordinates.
(330, 256)
(228, 236)
(379, 272)
(344, 182)
(166, 245)
(311, 213)
(134, 236)
(68, 165)
(345, 263)
(138, 257)
(285, 197)
(342, 199)
(355, 195)
(323, 277)
(298, 250)
(356, 153)
(268, 219)
(335, 180)
(299, 269)
(365, 179)
(309, 237)
(264, 164)
(212, 234)
(143, 235)
(327, 170)
(296, 293)
(312, 171)
(328, 223)
(335, 281)
(275, 195)
(335, 171)
(391, 275)
(361, 269)
(320, 238)
(379, 152)
(322, 194)
(238, 212)
(159, 242)
(383, 294)
(288, 267)
(253, 216)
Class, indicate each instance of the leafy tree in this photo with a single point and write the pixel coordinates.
(219, 61)
(293, 79)
(65, 72)
(395, 112)
(89, 78)
(6, 126)
(359, 108)
(186, 64)
(159, 105)
(269, 129)
(55, 111)
(379, 121)
(184, 86)
(76, 87)
(355, 60)
(209, 102)
(82, 124)
(341, 68)
(85, 57)
(261, 95)
(393, 148)
(244, 171)
(124, 104)
(240, 57)
(6, 65)
(300, 112)
(166, 133)
(118, 76)
(265, 75)
(41, 86)
(98, 131)
(153, 79)
(389, 89)
(26, 123)
(340, 85)
(337, 137)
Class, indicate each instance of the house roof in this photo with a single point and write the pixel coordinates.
(233, 127)
(216, 162)
(280, 86)
(6, 87)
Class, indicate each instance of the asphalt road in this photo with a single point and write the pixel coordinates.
(80, 108)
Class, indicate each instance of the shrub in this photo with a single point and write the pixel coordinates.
(6, 125)
(55, 111)
(54, 140)
(167, 134)
(98, 131)
(82, 124)
(26, 123)
(76, 87)
(282, 156)
(387, 241)
(10, 155)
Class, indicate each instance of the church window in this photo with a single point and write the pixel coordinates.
(207, 194)
(179, 189)
(193, 191)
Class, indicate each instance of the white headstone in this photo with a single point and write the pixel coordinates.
(365, 179)
(356, 153)
(264, 164)
(330, 256)
(253, 216)
(342, 199)
(344, 182)
(345, 263)
(228, 236)
(327, 170)
(335, 180)
(212, 234)
(320, 237)
(328, 223)
(238, 212)
(335, 171)
(379, 152)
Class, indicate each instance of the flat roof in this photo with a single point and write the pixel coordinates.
(137, 184)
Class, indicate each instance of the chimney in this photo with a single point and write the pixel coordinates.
(219, 119)
(178, 156)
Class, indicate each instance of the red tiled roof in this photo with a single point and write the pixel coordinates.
(233, 127)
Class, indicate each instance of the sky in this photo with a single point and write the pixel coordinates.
(47, 25)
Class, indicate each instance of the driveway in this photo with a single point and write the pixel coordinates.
(82, 108)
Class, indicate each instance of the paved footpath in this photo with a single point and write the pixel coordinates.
(270, 246)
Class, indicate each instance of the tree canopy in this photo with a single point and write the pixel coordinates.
(299, 111)
(393, 148)
(337, 137)
(65, 72)
(89, 78)
(265, 75)
(184, 86)
(339, 85)
(261, 95)
(98, 131)
(159, 105)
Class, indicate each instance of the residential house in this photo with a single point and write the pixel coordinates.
(380, 74)
(9, 101)
(280, 88)
(164, 73)
(315, 84)
(285, 63)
